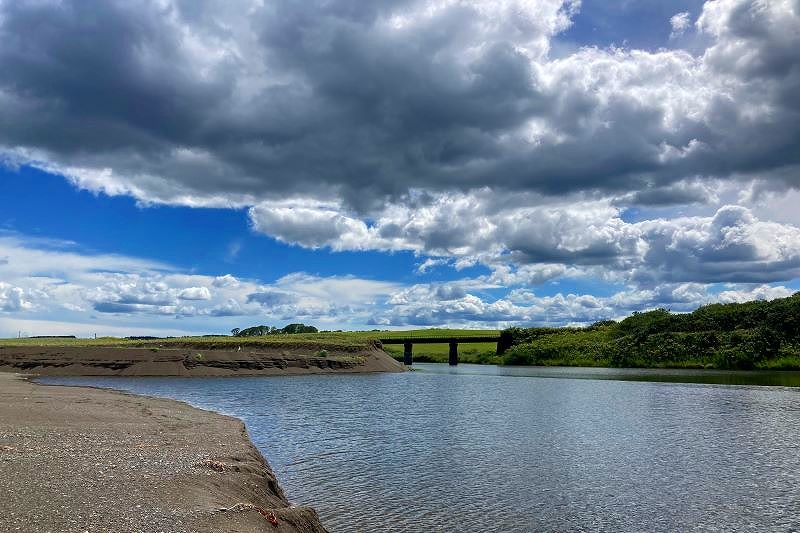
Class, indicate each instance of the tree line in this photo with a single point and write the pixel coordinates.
(260, 331)
(757, 334)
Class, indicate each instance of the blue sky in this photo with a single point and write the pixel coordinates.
(208, 240)
(642, 24)
(173, 167)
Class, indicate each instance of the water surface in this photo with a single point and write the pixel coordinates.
(480, 448)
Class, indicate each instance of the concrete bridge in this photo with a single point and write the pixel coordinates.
(409, 342)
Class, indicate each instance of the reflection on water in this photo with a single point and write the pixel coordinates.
(671, 375)
(471, 449)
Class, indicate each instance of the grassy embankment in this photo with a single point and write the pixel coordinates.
(751, 335)
(334, 345)
(316, 343)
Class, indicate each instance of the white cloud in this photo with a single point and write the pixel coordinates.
(679, 23)
(226, 281)
(428, 264)
(732, 245)
(529, 239)
(533, 242)
(421, 305)
(475, 225)
(455, 135)
(13, 299)
(87, 298)
(312, 226)
(195, 293)
(760, 292)
(112, 294)
(347, 290)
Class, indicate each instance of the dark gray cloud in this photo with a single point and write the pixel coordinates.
(446, 129)
(237, 102)
(99, 77)
(114, 307)
(682, 193)
(227, 309)
(145, 299)
(450, 292)
(270, 298)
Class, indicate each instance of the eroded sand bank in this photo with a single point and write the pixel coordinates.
(106, 361)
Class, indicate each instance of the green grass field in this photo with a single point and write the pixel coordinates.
(343, 341)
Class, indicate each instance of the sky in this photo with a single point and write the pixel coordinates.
(178, 167)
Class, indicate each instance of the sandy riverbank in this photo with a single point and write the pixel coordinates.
(107, 361)
(81, 459)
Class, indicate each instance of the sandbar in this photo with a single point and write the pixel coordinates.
(80, 459)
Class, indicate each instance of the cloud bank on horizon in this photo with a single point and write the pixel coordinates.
(469, 133)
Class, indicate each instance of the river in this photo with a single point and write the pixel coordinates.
(498, 449)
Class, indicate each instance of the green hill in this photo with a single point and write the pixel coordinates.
(759, 334)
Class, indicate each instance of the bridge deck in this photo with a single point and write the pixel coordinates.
(440, 340)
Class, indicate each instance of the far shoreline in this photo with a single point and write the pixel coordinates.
(55, 360)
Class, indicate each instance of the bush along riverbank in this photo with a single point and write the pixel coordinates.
(751, 335)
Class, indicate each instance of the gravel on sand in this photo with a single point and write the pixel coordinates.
(76, 459)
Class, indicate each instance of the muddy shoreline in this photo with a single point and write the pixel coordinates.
(84, 459)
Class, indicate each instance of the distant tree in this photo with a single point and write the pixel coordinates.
(255, 331)
(299, 328)
(235, 331)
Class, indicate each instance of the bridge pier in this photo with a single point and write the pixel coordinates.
(453, 359)
(452, 340)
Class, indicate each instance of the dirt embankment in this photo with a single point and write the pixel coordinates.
(79, 459)
(188, 361)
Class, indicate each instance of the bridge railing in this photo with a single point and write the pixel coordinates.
(440, 339)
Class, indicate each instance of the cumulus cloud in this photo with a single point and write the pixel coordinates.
(269, 298)
(229, 308)
(312, 226)
(474, 225)
(243, 102)
(530, 239)
(679, 22)
(12, 298)
(733, 245)
(420, 305)
(225, 281)
(141, 299)
(759, 292)
(132, 294)
(195, 293)
(447, 129)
